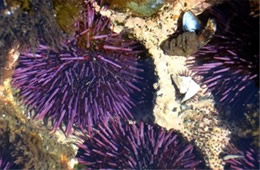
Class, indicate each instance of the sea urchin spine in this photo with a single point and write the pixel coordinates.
(247, 158)
(123, 145)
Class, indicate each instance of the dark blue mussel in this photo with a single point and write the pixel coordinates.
(190, 23)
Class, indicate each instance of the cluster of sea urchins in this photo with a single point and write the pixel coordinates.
(229, 63)
(93, 75)
(124, 145)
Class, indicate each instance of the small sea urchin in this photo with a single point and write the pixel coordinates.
(91, 76)
(123, 145)
(229, 63)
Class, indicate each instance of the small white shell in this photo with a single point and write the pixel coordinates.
(187, 86)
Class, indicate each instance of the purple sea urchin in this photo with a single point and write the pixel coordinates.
(229, 63)
(123, 145)
(92, 76)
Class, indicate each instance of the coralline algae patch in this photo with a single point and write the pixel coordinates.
(211, 137)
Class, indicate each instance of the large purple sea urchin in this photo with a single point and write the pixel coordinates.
(229, 64)
(92, 76)
(123, 145)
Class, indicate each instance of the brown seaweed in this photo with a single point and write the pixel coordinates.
(30, 145)
(24, 23)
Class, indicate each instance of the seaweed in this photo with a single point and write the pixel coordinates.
(29, 145)
(25, 24)
(67, 12)
(143, 8)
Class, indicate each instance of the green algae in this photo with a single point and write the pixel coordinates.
(24, 5)
(146, 8)
(67, 12)
(143, 8)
